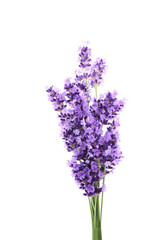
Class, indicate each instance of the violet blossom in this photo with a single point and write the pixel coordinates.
(89, 125)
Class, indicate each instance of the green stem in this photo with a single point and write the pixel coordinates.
(66, 120)
(96, 223)
(95, 213)
(91, 210)
(103, 192)
(96, 91)
(101, 205)
(92, 204)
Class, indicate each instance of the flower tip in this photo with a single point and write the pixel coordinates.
(84, 44)
(115, 93)
(47, 87)
(67, 81)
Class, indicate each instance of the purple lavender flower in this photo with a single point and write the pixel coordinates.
(101, 174)
(90, 188)
(97, 70)
(84, 57)
(82, 118)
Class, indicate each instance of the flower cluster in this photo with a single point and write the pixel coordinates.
(89, 125)
(97, 71)
(84, 57)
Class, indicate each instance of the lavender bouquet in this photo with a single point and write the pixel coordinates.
(89, 129)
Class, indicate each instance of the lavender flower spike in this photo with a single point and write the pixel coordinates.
(97, 71)
(84, 57)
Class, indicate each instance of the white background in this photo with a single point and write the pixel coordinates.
(39, 199)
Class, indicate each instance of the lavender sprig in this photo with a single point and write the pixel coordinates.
(95, 149)
(90, 131)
